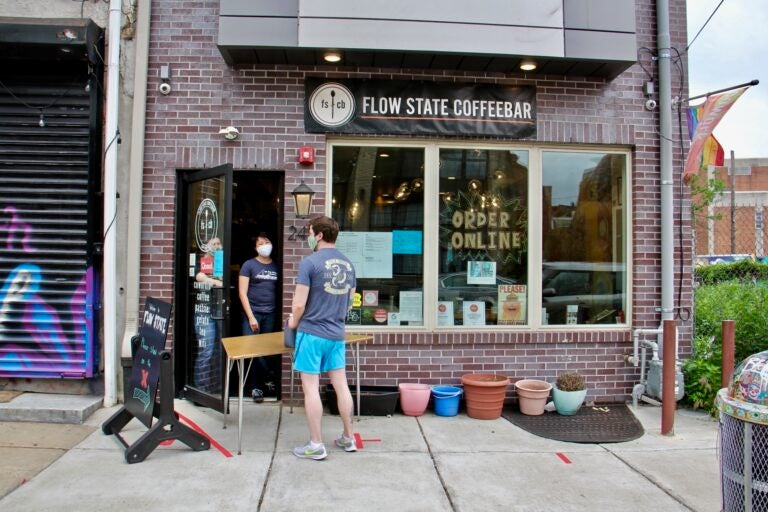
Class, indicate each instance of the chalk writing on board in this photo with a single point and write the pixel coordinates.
(145, 373)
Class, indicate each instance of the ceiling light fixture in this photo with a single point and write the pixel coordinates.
(528, 65)
(332, 56)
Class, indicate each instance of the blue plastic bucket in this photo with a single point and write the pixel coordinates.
(446, 400)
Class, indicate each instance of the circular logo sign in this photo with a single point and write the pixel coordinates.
(380, 315)
(206, 223)
(441, 308)
(473, 308)
(332, 105)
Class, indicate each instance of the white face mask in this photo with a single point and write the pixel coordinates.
(264, 250)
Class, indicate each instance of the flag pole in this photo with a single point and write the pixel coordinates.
(706, 94)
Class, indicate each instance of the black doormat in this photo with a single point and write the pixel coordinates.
(617, 424)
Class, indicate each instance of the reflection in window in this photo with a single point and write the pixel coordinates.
(377, 198)
(583, 272)
(483, 237)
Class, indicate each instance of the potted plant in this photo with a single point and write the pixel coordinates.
(569, 393)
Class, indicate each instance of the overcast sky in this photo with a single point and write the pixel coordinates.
(732, 49)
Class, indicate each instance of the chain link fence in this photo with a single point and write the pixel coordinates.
(725, 233)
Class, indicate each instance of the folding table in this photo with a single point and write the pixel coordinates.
(240, 348)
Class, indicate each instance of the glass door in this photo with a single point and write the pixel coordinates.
(203, 298)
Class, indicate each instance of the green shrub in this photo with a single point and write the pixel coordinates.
(702, 374)
(745, 304)
(738, 292)
(702, 382)
(745, 270)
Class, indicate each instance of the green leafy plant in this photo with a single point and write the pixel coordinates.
(702, 382)
(744, 303)
(570, 381)
(703, 193)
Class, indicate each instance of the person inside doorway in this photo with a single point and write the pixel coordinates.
(207, 369)
(257, 287)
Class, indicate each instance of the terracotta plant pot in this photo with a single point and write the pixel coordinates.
(532, 396)
(484, 394)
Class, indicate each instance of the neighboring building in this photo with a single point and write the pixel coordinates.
(501, 220)
(733, 224)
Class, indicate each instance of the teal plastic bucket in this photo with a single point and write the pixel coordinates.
(446, 399)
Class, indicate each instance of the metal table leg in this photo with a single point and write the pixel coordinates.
(357, 377)
(240, 364)
(291, 391)
(230, 363)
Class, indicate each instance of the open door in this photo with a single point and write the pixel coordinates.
(202, 284)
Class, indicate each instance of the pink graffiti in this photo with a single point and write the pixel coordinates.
(14, 227)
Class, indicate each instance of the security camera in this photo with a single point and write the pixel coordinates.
(650, 104)
(230, 132)
(165, 88)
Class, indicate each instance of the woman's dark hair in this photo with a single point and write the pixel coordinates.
(327, 226)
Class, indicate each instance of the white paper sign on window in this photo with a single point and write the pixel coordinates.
(474, 312)
(370, 252)
(411, 306)
(444, 313)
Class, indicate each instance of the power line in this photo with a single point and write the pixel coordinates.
(704, 25)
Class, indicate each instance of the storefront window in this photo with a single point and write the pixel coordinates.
(440, 235)
(483, 260)
(583, 268)
(377, 198)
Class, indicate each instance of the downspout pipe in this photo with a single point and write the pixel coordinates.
(136, 177)
(110, 205)
(665, 161)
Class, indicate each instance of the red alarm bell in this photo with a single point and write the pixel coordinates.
(306, 155)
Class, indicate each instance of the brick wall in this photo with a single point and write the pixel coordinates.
(266, 104)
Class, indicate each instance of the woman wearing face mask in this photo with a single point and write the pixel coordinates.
(256, 286)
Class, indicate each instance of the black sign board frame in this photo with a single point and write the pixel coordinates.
(401, 107)
(152, 363)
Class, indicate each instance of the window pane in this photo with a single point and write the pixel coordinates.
(583, 271)
(378, 199)
(483, 237)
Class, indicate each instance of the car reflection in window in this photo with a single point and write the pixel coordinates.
(596, 289)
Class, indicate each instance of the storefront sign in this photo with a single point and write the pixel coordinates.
(411, 107)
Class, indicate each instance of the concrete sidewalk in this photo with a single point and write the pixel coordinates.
(429, 463)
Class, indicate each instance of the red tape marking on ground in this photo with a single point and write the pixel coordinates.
(359, 441)
(563, 457)
(200, 431)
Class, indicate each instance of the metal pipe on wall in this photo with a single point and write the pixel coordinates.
(663, 44)
(109, 310)
(136, 177)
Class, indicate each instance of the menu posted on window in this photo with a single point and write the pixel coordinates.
(145, 374)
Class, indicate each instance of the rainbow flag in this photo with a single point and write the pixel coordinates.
(702, 119)
(712, 153)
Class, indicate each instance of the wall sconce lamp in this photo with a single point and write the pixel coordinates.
(528, 65)
(332, 56)
(302, 200)
(230, 133)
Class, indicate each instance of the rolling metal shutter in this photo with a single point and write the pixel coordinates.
(50, 169)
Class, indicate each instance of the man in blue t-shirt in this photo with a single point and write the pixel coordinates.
(325, 286)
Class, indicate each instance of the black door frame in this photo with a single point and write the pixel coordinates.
(182, 352)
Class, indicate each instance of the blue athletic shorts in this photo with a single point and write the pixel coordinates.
(316, 355)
